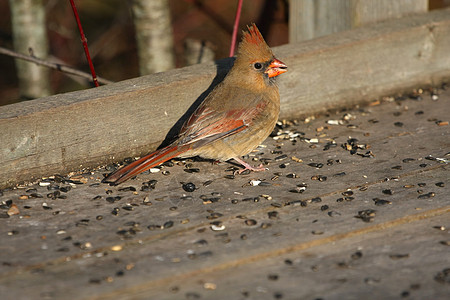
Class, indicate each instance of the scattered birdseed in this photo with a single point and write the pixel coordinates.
(265, 225)
(273, 215)
(188, 187)
(65, 189)
(443, 276)
(324, 207)
(255, 182)
(113, 199)
(366, 215)
(214, 215)
(154, 227)
(298, 189)
(356, 255)
(209, 286)
(319, 177)
(407, 160)
(333, 213)
(268, 197)
(380, 202)
(387, 192)
(208, 182)
(347, 193)
(316, 165)
(116, 248)
(281, 157)
(296, 203)
(13, 210)
(340, 174)
(168, 163)
(296, 159)
(250, 222)
(46, 206)
(427, 196)
(127, 189)
(210, 200)
(167, 224)
(334, 122)
(217, 226)
(442, 228)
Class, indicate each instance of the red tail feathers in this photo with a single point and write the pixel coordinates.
(143, 164)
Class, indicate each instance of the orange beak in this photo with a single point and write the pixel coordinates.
(276, 68)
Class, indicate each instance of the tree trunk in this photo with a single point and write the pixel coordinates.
(154, 35)
(29, 32)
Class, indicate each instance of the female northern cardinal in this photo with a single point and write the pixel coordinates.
(233, 119)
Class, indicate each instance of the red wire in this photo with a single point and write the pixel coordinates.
(84, 41)
(235, 28)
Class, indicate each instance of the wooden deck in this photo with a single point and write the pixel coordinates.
(355, 205)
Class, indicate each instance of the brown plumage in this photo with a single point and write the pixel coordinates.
(233, 119)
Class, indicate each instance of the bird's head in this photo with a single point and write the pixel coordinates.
(255, 61)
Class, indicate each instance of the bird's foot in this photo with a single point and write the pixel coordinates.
(215, 162)
(248, 167)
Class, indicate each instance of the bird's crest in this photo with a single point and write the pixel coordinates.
(253, 35)
(253, 45)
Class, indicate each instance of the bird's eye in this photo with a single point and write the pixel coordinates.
(257, 66)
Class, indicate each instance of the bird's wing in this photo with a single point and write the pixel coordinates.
(207, 124)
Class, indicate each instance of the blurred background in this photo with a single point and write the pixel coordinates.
(110, 30)
(184, 32)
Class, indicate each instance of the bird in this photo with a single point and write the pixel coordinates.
(235, 117)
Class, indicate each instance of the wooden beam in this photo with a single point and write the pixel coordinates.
(311, 19)
(71, 131)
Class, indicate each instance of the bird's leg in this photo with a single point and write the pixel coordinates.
(248, 167)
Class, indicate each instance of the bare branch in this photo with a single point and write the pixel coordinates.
(56, 66)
